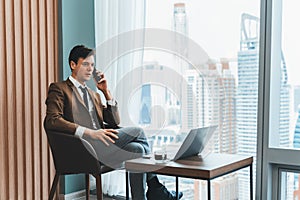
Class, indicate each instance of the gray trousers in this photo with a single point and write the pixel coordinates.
(132, 143)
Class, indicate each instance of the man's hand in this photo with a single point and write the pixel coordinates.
(105, 135)
(102, 85)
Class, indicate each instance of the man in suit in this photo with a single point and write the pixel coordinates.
(73, 108)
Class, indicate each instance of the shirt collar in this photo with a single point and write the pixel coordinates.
(76, 83)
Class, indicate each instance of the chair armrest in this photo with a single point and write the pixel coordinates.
(72, 154)
(88, 147)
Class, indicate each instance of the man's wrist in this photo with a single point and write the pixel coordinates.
(88, 132)
(107, 95)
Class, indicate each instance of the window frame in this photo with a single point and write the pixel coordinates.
(270, 161)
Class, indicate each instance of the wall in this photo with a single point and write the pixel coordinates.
(76, 26)
(29, 61)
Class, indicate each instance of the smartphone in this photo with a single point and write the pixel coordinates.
(96, 77)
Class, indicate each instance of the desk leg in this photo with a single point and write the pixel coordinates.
(177, 196)
(127, 185)
(251, 182)
(208, 189)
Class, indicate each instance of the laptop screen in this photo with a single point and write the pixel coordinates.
(195, 142)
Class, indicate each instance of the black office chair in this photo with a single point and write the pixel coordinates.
(74, 155)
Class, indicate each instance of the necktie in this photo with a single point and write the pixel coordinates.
(94, 118)
(85, 99)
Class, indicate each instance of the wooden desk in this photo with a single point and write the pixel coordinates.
(208, 168)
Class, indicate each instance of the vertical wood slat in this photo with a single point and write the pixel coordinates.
(35, 101)
(10, 95)
(27, 99)
(42, 72)
(3, 135)
(19, 98)
(29, 55)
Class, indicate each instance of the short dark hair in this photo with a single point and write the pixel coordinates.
(80, 51)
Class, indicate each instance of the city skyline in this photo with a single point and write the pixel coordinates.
(195, 108)
(206, 32)
(249, 57)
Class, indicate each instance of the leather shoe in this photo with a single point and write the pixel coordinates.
(162, 193)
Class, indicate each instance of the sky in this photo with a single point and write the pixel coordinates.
(215, 26)
(291, 39)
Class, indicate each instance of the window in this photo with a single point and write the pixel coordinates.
(279, 102)
(222, 91)
(162, 88)
(284, 76)
(289, 185)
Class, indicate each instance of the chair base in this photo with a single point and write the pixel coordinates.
(87, 186)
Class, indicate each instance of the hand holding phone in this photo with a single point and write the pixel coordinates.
(96, 76)
(99, 76)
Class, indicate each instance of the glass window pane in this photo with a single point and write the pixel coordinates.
(223, 91)
(285, 89)
(167, 95)
(290, 189)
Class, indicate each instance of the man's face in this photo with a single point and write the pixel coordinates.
(82, 72)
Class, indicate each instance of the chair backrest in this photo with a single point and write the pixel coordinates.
(72, 154)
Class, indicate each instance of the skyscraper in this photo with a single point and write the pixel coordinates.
(227, 138)
(296, 98)
(285, 106)
(145, 115)
(209, 99)
(180, 27)
(247, 97)
(296, 142)
(180, 19)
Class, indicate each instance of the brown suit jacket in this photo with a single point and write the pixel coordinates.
(66, 110)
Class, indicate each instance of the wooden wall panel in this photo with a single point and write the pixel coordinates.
(43, 89)
(3, 107)
(29, 56)
(35, 101)
(19, 98)
(27, 99)
(10, 97)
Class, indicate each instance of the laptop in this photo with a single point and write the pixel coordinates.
(194, 143)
